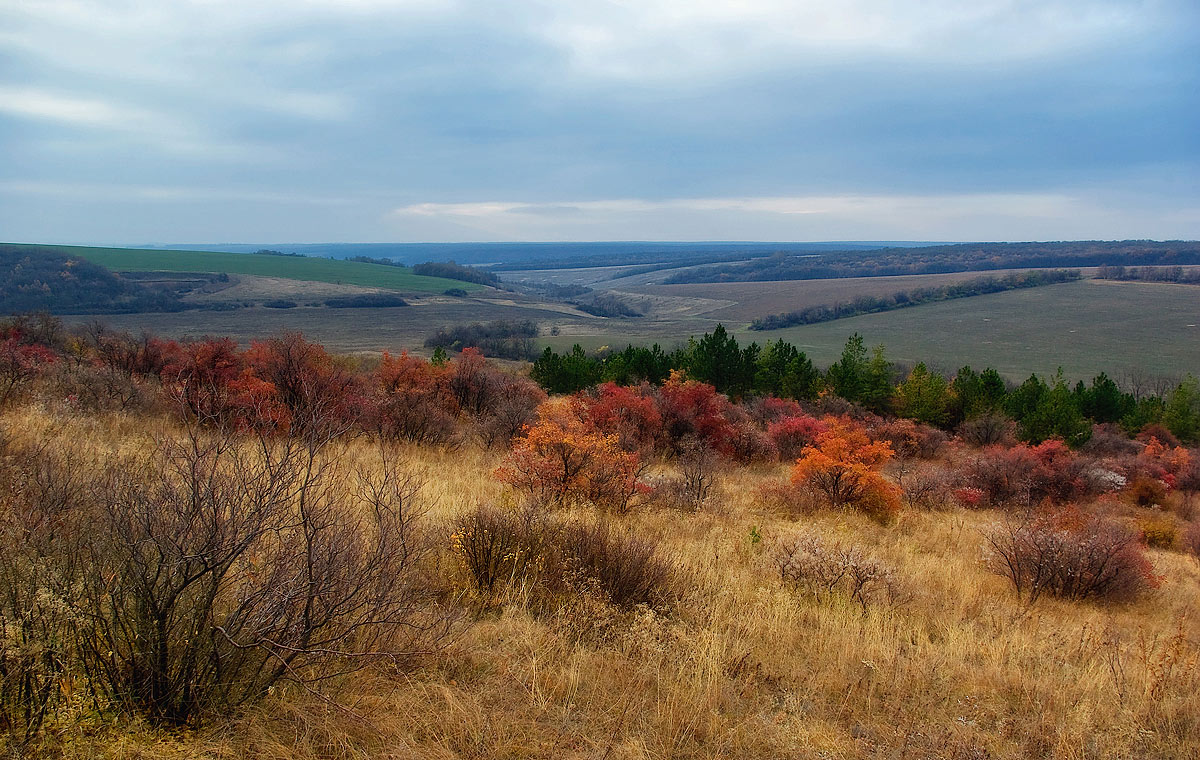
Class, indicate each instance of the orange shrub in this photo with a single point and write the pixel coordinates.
(564, 459)
(843, 466)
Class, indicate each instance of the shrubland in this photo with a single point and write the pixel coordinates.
(210, 550)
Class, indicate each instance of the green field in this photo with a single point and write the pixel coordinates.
(1084, 327)
(289, 267)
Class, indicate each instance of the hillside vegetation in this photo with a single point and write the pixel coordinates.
(271, 551)
(33, 280)
(262, 265)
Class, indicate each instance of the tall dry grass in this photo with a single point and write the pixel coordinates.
(742, 666)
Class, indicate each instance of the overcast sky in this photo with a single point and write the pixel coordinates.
(435, 120)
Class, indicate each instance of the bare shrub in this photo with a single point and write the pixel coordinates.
(628, 570)
(501, 547)
(1109, 440)
(825, 568)
(988, 430)
(217, 571)
(1190, 540)
(922, 486)
(39, 563)
(1070, 556)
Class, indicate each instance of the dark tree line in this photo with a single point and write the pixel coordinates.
(1150, 274)
(903, 299)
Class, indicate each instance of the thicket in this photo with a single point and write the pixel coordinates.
(502, 339)
(905, 298)
(1150, 274)
(245, 548)
(451, 271)
(366, 301)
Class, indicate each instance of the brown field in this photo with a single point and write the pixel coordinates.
(743, 666)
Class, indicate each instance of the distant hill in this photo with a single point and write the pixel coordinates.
(253, 264)
(552, 255)
(32, 279)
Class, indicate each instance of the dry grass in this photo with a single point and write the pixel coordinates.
(744, 665)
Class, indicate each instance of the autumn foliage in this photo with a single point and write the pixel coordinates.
(565, 459)
(843, 465)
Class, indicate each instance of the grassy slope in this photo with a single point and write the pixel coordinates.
(289, 267)
(745, 667)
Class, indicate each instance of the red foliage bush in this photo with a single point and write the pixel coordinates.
(1026, 475)
(791, 434)
(19, 364)
(694, 410)
(1157, 430)
(843, 466)
(628, 413)
(1071, 556)
(412, 401)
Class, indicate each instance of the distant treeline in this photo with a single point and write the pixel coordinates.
(444, 269)
(607, 305)
(365, 301)
(905, 298)
(949, 258)
(1150, 274)
(63, 284)
(502, 339)
(452, 271)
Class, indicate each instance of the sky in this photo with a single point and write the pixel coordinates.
(194, 121)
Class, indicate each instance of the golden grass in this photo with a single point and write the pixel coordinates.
(744, 666)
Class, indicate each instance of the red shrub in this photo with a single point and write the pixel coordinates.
(412, 400)
(1025, 475)
(1159, 431)
(628, 413)
(768, 409)
(791, 434)
(910, 439)
(19, 364)
(319, 391)
(691, 409)
(200, 374)
(843, 466)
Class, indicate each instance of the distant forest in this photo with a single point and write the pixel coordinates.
(949, 258)
(1150, 274)
(70, 285)
(903, 299)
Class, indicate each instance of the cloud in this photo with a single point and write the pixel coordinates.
(977, 216)
(782, 113)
